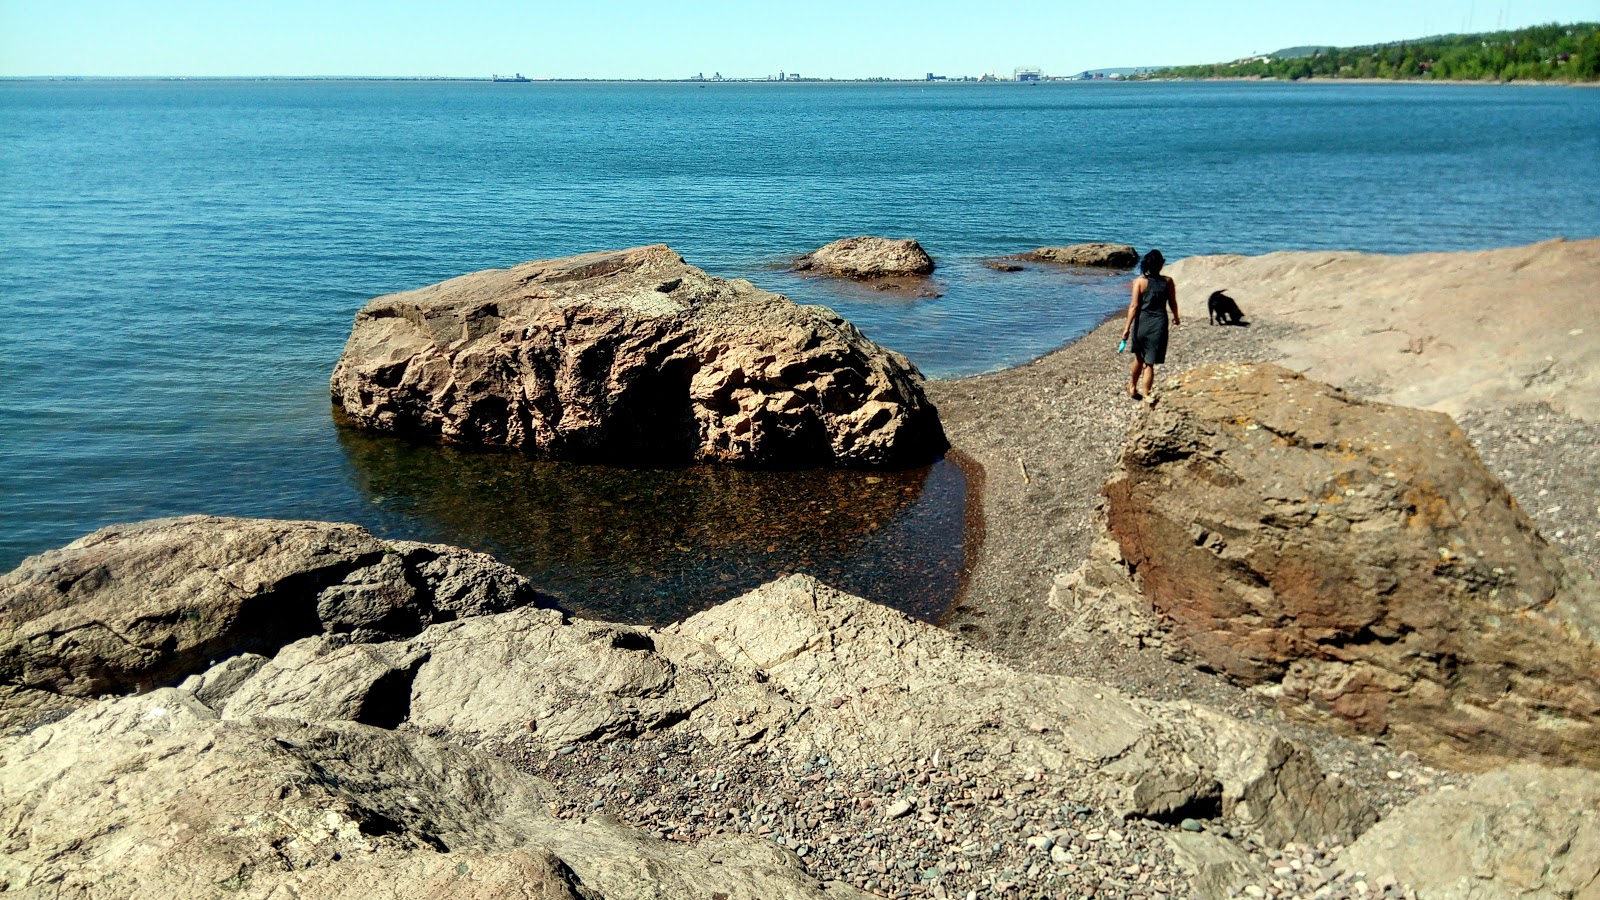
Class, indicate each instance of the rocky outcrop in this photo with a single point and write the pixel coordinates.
(867, 258)
(1360, 555)
(1523, 832)
(1095, 256)
(133, 607)
(1453, 332)
(326, 763)
(632, 356)
(154, 796)
(800, 669)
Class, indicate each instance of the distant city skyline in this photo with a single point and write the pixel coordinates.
(630, 39)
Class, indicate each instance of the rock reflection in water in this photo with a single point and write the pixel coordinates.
(655, 545)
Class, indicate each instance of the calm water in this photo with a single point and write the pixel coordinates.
(180, 263)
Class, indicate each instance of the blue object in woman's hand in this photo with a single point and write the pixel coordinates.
(1122, 346)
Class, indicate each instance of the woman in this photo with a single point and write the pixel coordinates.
(1146, 331)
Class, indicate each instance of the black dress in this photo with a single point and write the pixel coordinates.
(1149, 340)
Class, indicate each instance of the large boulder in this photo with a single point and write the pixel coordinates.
(632, 356)
(799, 669)
(1094, 256)
(867, 258)
(154, 796)
(1520, 832)
(1361, 557)
(134, 607)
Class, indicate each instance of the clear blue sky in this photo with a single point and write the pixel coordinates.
(663, 39)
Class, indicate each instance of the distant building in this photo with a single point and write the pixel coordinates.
(1029, 73)
(933, 77)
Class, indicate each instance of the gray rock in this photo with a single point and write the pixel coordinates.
(906, 686)
(153, 796)
(321, 678)
(867, 258)
(807, 671)
(634, 356)
(1216, 867)
(215, 685)
(1523, 831)
(133, 607)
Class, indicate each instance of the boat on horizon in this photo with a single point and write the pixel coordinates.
(515, 78)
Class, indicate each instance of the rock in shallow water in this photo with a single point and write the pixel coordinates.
(867, 258)
(1096, 255)
(632, 356)
(1361, 555)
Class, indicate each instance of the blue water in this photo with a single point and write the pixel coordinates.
(180, 261)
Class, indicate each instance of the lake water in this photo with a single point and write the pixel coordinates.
(180, 263)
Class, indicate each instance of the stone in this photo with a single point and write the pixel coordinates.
(632, 356)
(134, 607)
(807, 672)
(1361, 557)
(153, 796)
(1522, 831)
(910, 686)
(1216, 867)
(867, 258)
(1093, 255)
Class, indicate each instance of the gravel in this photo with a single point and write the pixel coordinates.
(1038, 442)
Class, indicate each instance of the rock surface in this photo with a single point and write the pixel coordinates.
(1095, 255)
(1447, 331)
(133, 607)
(1360, 555)
(632, 356)
(1523, 831)
(867, 258)
(153, 796)
(804, 670)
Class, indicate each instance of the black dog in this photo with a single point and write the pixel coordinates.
(1224, 310)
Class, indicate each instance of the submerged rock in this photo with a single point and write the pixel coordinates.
(632, 356)
(1096, 255)
(867, 258)
(134, 607)
(1360, 555)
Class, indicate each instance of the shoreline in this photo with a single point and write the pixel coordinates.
(1043, 437)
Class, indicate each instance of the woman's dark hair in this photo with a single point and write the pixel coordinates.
(1152, 263)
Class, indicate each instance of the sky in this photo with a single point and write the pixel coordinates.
(738, 38)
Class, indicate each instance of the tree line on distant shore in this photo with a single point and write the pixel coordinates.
(1542, 53)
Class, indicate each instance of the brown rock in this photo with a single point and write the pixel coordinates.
(632, 355)
(132, 607)
(1097, 255)
(1360, 554)
(1001, 265)
(867, 258)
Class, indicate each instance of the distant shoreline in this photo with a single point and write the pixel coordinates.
(461, 79)
(1315, 80)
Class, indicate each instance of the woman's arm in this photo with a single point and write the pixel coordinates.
(1172, 299)
(1133, 307)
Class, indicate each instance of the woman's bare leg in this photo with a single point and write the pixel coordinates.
(1149, 379)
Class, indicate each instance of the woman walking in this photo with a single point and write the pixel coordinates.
(1146, 331)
